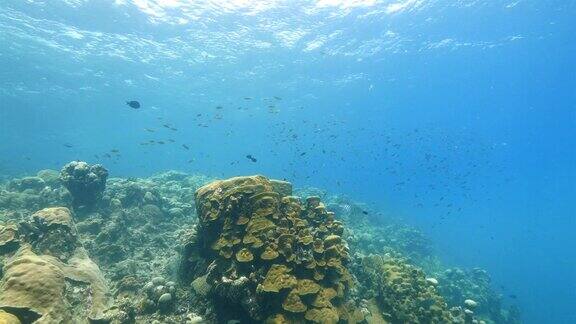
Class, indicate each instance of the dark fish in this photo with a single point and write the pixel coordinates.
(185, 146)
(68, 145)
(247, 98)
(133, 104)
(513, 296)
(303, 153)
(115, 151)
(149, 130)
(251, 158)
(364, 212)
(277, 98)
(160, 142)
(174, 128)
(166, 125)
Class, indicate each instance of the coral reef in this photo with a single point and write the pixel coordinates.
(275, 259)
(235, 250)
(85, 182)
(136, 237)
(473, 288)
(22, 196)
(403, 293)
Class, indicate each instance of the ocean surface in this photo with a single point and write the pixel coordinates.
(458, 117)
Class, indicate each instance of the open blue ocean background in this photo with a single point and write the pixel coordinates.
(457, 116)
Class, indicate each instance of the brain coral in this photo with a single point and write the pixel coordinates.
(53, 232)
(287, 256)
(7, 318)
(55, 216)
(50, 278)
(33, 283)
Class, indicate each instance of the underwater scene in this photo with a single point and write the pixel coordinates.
(287, 161)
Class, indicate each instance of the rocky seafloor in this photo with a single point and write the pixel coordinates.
(79, 247)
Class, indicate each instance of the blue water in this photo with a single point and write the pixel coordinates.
(459, 116)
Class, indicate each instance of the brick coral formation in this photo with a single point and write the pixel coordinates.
(288, 257)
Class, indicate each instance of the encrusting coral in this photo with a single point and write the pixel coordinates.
(288, 257)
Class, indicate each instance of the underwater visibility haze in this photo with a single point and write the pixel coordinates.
(432, 144)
